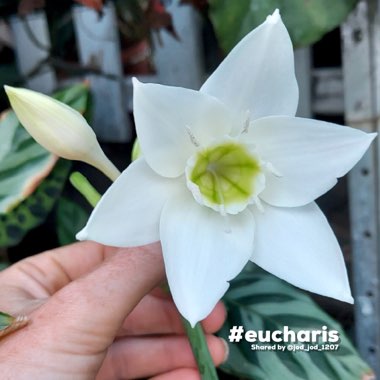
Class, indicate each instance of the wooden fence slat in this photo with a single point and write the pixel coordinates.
(32, 45)
(99, 48)
(361, 92)
(302, 61)
(179, 62)
(328, 91)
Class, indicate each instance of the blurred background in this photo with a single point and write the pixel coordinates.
(86, 52)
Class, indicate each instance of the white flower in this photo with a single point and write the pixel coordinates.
(59, 128)
(228, 175)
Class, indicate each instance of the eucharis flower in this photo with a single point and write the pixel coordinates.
(228, 174)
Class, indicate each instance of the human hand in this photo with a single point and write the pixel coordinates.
(84, 323)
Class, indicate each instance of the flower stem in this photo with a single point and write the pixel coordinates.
(200, 350)
(81, 183)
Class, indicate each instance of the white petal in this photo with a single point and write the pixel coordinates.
(298, 245)
(258, 75)
(202, 252)
(170, 121)
(308, 154)
(129, 212)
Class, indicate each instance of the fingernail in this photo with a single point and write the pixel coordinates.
(226, 350)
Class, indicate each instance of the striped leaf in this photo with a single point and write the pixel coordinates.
(23, 163)
(33, 210)
(257, 301)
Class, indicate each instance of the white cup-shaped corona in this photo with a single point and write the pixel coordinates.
(59, 128)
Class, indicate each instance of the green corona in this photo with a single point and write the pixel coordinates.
(225, 173)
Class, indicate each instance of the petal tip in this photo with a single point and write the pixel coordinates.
(10, 91)
(274, 17)
(373, 135)
(348, 299)
(136, 82)
(345, 296)
(82, 235)
(7, 88)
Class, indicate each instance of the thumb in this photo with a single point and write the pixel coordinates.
(97, 304)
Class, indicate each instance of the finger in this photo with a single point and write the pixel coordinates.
(160, 316)
(183, 374)
(94, 306)
(143, 357)
(42, 275)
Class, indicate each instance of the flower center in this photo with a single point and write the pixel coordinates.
(225, 177)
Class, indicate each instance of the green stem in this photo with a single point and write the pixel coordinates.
(81, 183)
(200, 350)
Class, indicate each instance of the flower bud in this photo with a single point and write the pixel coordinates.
(59, 128)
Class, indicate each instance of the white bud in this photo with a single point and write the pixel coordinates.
(59, 128)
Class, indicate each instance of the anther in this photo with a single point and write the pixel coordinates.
(193, 139)
(247, 122)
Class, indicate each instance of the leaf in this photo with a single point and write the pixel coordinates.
(258, 301)
(71, 218)
(75, 96)
(33, 210)
(23, 162)
(159, 18)
(307, 20)
(8, 323)
(5, 320)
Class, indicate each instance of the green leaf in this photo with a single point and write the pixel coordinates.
(75, 96)
(257, 301)
(33, 210)
(306, 20)
(23, 162)
(71, 218)
(8, 323)
(5, 320)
